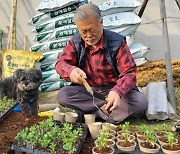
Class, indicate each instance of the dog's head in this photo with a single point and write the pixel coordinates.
(27, 79)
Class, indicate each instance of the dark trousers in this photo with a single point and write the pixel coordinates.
(76, 97)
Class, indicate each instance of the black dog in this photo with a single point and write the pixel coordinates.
(23, 87)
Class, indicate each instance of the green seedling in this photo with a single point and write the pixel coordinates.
(150, 137)
(170, 138)
(101, 141)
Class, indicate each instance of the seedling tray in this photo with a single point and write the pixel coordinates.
(79, 143)
(4, 114)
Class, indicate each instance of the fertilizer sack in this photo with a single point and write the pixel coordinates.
(51, 86)
(59, 33)
(121, 19)
(138, 50)
(51, 56)
(51, 76)
(50, 46)
(16, 59)
(55, 23)
(51, 5)
(39, 18)
(114, 6)
(125, 30)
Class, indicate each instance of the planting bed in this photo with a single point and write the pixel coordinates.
(16, 121)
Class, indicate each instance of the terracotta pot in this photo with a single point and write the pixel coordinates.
(71, 117)
(59, 116)
(167, 149)
(94, 129)
(89, 118)
(126, 145)
(149, 150)
(108, 126)
(110, 149)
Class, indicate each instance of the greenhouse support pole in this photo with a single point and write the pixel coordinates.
(167, 56)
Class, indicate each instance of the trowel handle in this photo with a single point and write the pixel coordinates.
(87, 86)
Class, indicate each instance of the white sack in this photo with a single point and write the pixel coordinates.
(114, 6)
(51, 76)
(50, 45)
(55, 23)
(158, 105)
(138, 50)
(125, 30)
(121, 19)
(129, 39)
(51, 56)
(49, 5)
(59, 33)
(140, 61)
(51, 86)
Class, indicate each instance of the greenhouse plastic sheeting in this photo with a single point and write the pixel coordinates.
(158, 105)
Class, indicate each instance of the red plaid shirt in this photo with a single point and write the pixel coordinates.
(98, 71)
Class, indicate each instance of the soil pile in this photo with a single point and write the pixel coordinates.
(155, 71)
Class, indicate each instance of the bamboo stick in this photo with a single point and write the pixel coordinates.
(13, 25)
(1, 33)
(9, 35)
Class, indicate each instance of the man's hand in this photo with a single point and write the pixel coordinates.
(113, 101)
(77, 75)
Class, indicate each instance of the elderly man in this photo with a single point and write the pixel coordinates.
(103, 59)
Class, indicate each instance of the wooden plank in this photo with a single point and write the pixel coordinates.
(167, 56)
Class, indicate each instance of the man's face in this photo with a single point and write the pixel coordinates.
(90, 29)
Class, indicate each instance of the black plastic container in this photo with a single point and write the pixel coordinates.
(78, 147)
(5, 113)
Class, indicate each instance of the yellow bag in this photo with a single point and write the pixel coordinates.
(46, 113)
(15, 59)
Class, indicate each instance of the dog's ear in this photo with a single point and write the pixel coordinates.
(18, 73)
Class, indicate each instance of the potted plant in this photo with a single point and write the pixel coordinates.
(125, 127)
(160, 130)
(142, 129)
(171, 147)
(150, 145)
(101, 145)
(127, 144)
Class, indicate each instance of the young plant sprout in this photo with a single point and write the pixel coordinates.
(5, 103)
(170, 138)
(100, 142)
(150, 137)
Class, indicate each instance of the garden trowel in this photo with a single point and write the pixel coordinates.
(90, 90)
